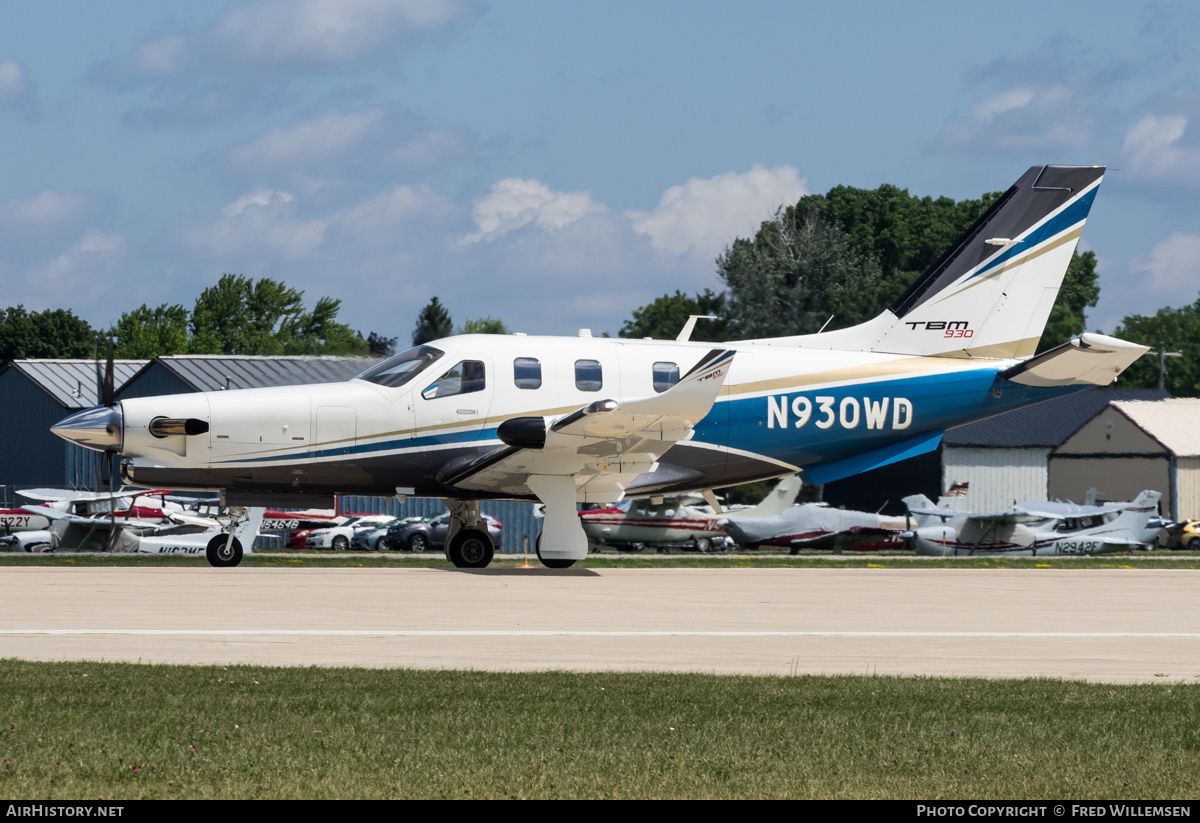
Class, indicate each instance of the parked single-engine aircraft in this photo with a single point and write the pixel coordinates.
(816, 526)
(632, 524)
(569, 420)
(223, 543)
(1036, 529)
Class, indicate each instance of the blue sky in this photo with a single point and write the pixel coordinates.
(557, 164)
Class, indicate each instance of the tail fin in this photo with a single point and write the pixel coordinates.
(991, 293)
(778, 499)
(1138, 513)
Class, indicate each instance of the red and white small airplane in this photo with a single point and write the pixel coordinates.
(632, 524)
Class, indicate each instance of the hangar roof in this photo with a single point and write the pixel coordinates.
(1171, 422)
(1046, 424)
(212, 372)
(72, 383)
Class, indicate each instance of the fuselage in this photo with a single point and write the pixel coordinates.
(781, 409)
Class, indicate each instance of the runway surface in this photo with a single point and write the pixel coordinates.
(1120, 626)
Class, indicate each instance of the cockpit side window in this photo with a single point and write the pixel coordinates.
(589, 376)
(465, 378)
(665, 375)
(402, 368)
(527, 373)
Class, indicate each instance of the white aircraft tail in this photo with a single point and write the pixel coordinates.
(991, 293)
(778, 499)
(1137, 514)
(919, 502)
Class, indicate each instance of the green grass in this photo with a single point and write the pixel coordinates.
(301, 559)
(118, 731)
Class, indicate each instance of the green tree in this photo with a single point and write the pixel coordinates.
(241, 316)
(1170, 330)
(55, 333)
(318, 332)
(483, 325)
(381, 346)
(664, 318)
(432, 323)
(797, 272)
(146, 333)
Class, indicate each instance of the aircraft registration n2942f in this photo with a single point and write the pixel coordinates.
(566, 420)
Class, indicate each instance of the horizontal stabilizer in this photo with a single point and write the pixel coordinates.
(1087, 360)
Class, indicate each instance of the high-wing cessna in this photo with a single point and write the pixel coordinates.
(633, 523)
(566, 420)
(1037, 529)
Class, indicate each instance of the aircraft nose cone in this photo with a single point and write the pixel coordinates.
(99, 428)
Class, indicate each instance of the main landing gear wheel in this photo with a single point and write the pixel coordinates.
(551, 562)
(222, 552)
(470, 549)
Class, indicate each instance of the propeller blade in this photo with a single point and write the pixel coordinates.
(109, 390)
(99, 382)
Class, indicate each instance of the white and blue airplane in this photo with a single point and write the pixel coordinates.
(566, 420)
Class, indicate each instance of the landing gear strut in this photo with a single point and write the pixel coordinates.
(468, 545)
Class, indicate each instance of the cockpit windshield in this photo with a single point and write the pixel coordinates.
(403, 367)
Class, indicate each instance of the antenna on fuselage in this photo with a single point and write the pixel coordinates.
(686, 333)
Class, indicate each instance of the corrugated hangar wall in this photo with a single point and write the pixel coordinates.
(998, 477)
(517, 522)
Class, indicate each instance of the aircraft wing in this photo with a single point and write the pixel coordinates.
(1063, 510)
(603, 446)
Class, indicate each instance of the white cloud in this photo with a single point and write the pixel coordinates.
(307, 31)
(705, 215)
(45, 208)
(513, 203)
(1173, 265)
(261, 219)
(1153, 151)
(377, 220)
(1025, 117)
(86, 270)
(322, 137)
(289, 33)
(13, 81)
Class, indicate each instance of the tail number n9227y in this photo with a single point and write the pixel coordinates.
(885, 412)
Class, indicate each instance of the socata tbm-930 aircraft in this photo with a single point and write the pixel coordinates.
(581, 419)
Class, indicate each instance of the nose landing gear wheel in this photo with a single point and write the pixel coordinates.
(551, 562)
(470, 549)
(222, 552)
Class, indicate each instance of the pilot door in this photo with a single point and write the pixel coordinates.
(453, 406)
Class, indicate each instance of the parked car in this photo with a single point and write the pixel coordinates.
(339, 538)
(1184, 535)
(430, 533)
(375, 540)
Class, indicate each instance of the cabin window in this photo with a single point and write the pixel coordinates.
(403, 367)
(465, 378)
(527, 373)
(588, 375)
(666, 375)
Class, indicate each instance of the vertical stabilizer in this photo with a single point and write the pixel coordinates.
(991, 293)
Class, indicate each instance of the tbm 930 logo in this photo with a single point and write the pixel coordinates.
(949, 328)
(849, 412)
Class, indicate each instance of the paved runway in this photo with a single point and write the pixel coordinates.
(1119, 626)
